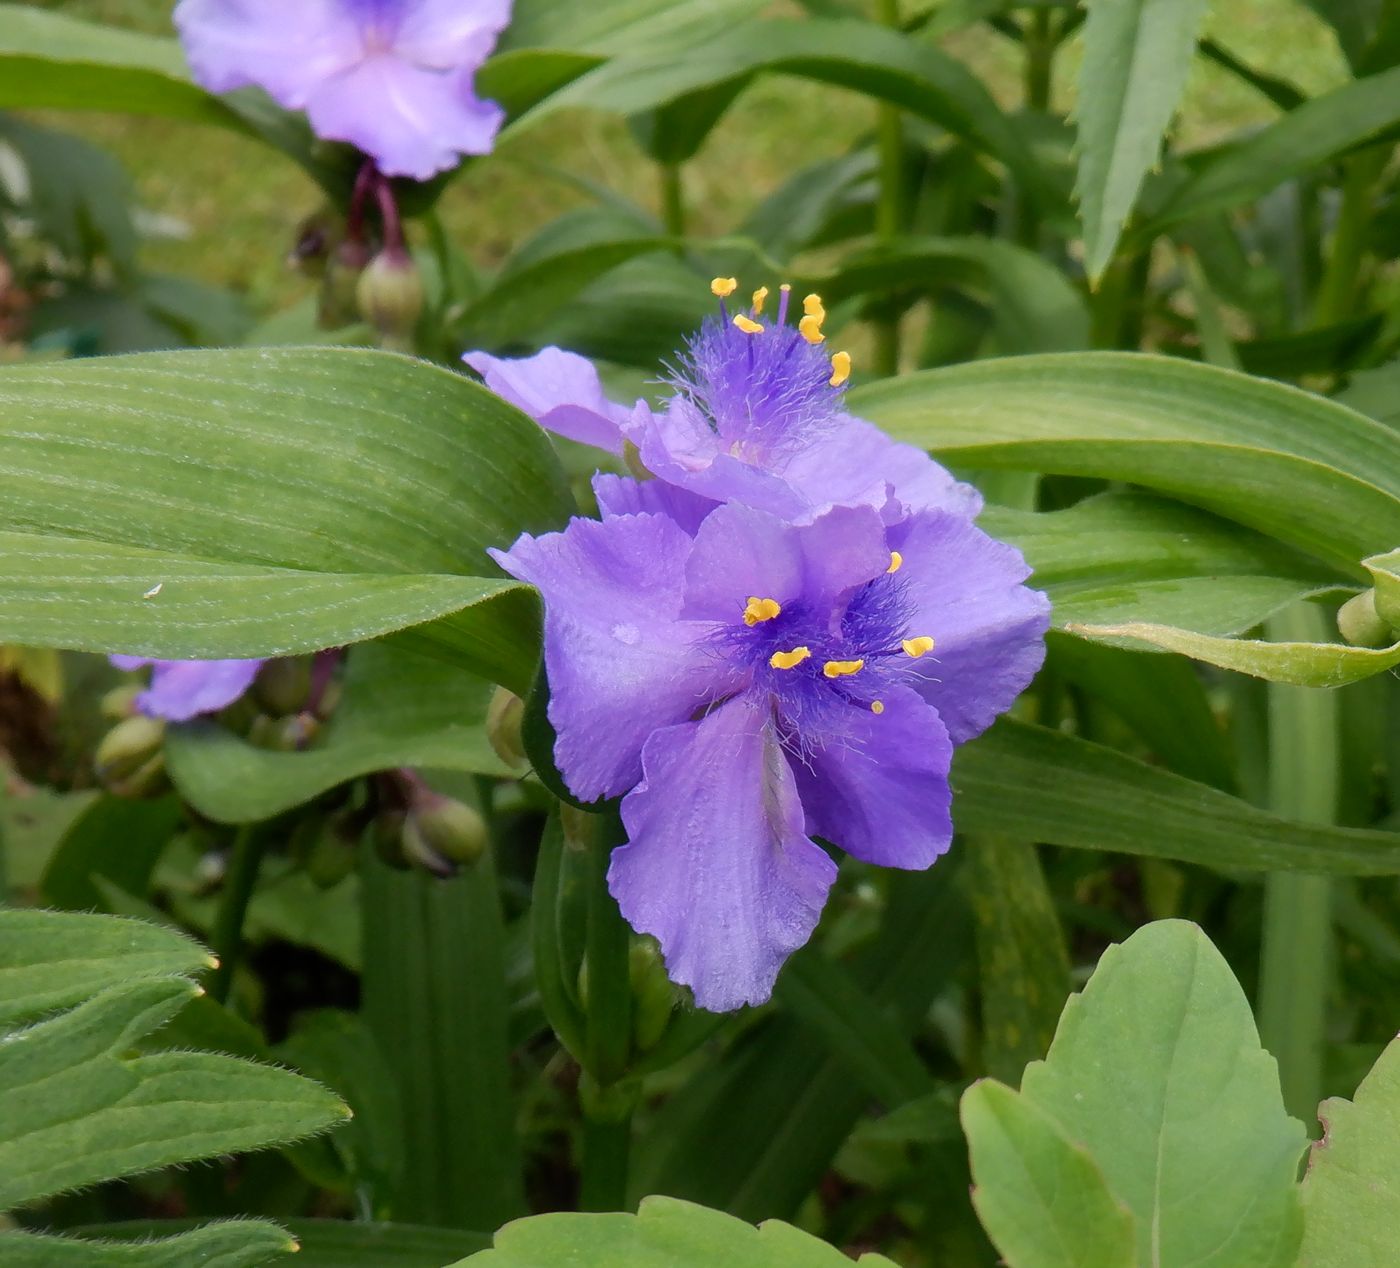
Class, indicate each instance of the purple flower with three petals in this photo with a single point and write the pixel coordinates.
(759, 684)
(395, 78)
(756, 416)
(184, 689)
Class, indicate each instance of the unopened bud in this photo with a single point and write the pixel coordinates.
(653, 995)
(330, 853)
(1361, 625)
(504, 719)
(444, 828)
(390, 296)
(312, 248)
(127, 752)
(282, 685)
(386, 834)
(283, 735)
(338, 305)
(120, 702)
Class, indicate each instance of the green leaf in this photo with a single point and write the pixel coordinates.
(1297, 467)
(248, 503)
(1349, 1194)
(86, 853)
(1137, 55)
(1075, 793)
(1354, 21)
(51, 960)
(227, 1244)
(1360, 112)
(1157, 1072)
(397, 709)
(1040, 1197)
(665, 1233)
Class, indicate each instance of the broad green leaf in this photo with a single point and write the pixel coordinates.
(1075, 793)
(1040, 1196)
(1350, 1193)
(51, 960)
(1295, 466)
(86, 852)
(1354, 21)
(665, 1233)
(228, 1244)
(1157, 1072)
(1137, 55)
(1376, 393)
(397, 709)
(1385, 576)
(1362, 111)
(247, 503)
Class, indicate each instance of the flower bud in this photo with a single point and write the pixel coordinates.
(1361, 625)
(330, 852)
(283, 735)
(130, 761)
(653, 995)
(120, 702)
(445, 829)
(282, 685)
(390, 296)
(386, 835)
(503, 722)
(311, 249)
(338, 305)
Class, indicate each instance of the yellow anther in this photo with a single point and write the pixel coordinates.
(840, 368)
(811, 328)
(748, 325)
(842, 668)
(724, 287)
(877, 707)
(917, 647)
(812, 306)
(896, 562)
(760, 297)
(757, 610)
(789, 660)
(786, 288)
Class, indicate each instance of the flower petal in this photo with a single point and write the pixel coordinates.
(449, 33)
(621, 662)
(184, 689)
(289, 49)
(965, 592)
(717, 866)
(412, 121)
(880, 790)
(621, 495)
(561, 391)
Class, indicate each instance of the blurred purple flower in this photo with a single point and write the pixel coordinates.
(184, 689)
(396, 78)
(756, 415)
(760, 684)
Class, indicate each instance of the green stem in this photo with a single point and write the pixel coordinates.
(672, 200)
(242, 876)
(1296, 958)
(1040, 60)
(607, 1147)
(1336, 293)
(889, 210)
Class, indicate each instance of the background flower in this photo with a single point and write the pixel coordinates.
(184, 689)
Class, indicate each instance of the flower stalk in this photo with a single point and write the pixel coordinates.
(889, 211)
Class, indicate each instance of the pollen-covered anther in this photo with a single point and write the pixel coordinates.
(789, 660)
(877, 707)
(724, 287)
(757, 610)
(917, 647)
(760, 297)
(896, 562)
(748, 325)
(811, 328)
(842, 668)
(840, 368)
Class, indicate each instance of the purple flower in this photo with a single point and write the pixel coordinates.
(756, 415)
(184, 689)
(396, 78)
(760, 684)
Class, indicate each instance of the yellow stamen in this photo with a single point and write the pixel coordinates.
(896, 562)
(760, 610)
(917, 647)
(789, 660)
(811, 328)
(724, 287)
(812, 306)
(877, 707)
(842, 668)
(840, 368)
(786, 288)
(760, 297)
(748, 326)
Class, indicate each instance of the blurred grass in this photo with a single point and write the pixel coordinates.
(240, 207)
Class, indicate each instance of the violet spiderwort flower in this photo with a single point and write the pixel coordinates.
(760, 684)
(395, 78)
(185, 689)
(756, 416)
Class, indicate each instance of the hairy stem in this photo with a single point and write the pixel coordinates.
(245, 858)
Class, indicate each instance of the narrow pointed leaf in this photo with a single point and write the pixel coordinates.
(227, 1244)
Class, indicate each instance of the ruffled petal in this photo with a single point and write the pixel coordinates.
(288, 49)
(965, 592)
(880, 790)
(621, 662)
(446, 34)
(184, 689)
(718, 867)
(561, 391)
(412, 121)
(621, 495)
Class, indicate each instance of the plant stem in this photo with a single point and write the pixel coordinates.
(1040, 60)
(1336, 293)
(889, 210)
(672, 200)
(239, 881)
(1296, 957)
(607, 1147)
